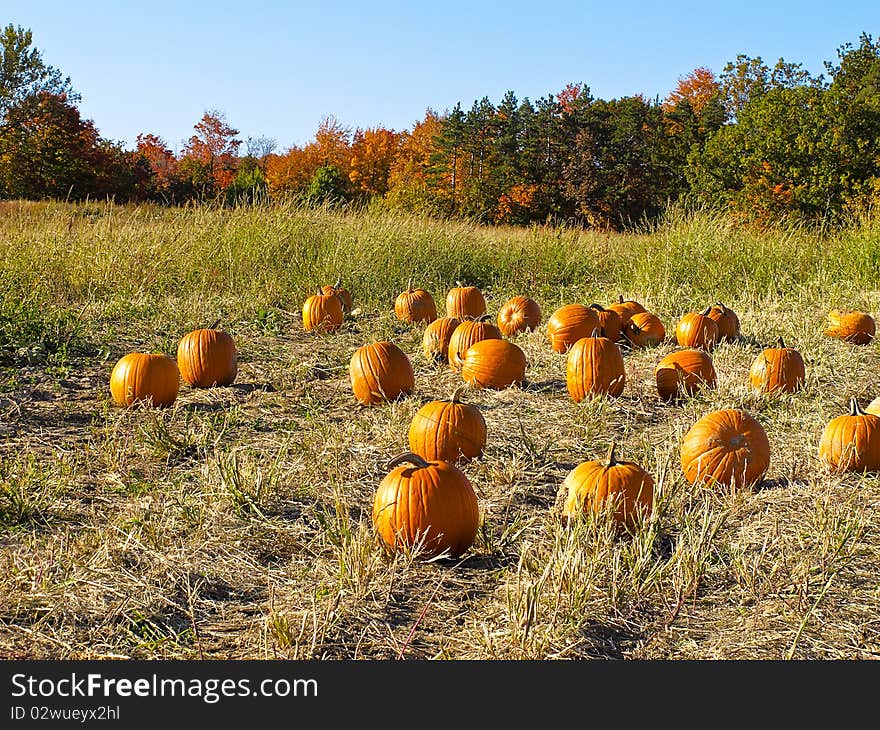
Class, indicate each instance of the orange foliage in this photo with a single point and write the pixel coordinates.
(160, 159)
(372, 154)
(408, 176)
(698, 88)
(215, 147)
(292, 171)
(515, 203)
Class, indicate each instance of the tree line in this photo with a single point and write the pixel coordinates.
(762, 142)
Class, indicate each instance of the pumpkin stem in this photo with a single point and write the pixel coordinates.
(409, 284)
(620, 299)
(320, 291)
(338, 282)
(780, 343)
(598, 332)
(407, 457)
(721, 307)
(854, 409)
(706, 311)
(484, 318)
(215, 323)
(597, 307)
(459, 284)
(456, 394)
(610, 458)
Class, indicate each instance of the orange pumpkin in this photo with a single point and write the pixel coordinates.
(644, 330)
(852, 326)
(207, 357)
(697, 329)
(519, 314)
(493, 364)
(851, 442)
(466, 334)
(570, 323)
(682, 372)
(874, 407)
(609, 320)
(778, 368)
(322, 312)
(599, 485)
(448, 430)
(430, 504)
(594, 366)
(626, 309)
(140, 376)
(415, 305)
(726, 320)
(380, 371)
(341, 292)
(465, 302)
(435, 341)
(728, 448)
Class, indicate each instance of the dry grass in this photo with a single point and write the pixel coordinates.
(236, 524)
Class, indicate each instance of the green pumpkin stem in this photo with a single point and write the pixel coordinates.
(610, 457)
(410, 457)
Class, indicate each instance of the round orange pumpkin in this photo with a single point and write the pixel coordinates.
(322, 312)
(852, 326)
(140, 376)
(644, 330)
(592, 485)
(380, 371)
(435, 341)
(570, 323)
(207, 357)
(851, 442)
(682, 372)
(493, 364)
(466, 334)
(726, 320)
(594, 366)
(626, 309)
(697, 329)
(728, 448)
(415, 305)
(448, 430)
(465, 302)
(519, 314)
(341, 292)
(429, 504)
(609, 320)
(778, 368)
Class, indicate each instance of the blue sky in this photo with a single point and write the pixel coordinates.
(275, 68)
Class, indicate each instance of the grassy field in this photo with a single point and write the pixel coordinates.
(236, 524)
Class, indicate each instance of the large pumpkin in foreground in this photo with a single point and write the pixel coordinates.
(727, 448)
(207, 357)
(141, 376)
(380, 372)
(448, 430)
(851, 442)
(426, 503)
(493, 364)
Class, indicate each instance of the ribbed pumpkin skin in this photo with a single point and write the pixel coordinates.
(626, 309)
(855, 327)
(465, 302)
(495, 364)
(609, 320)
(467, 333)
(415, 305)
(590, 484)
(695, 329)
(594, 366)
(380, 371)
(570, 323)
(778, 369)
(140, 376)
(645, 330)
(726, 320)
(851, 442)
(682, 372)
(434, 505)
(343, 294)
(727, 447)
(322, 313)
(519, 314)
(447, 431)
(435, 341)
(207, 357)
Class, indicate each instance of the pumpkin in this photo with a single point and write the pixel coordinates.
(728, 448)
(626, 309)
(466, 334)
(852, 326)
(207, 357)
(851, 442)
(493, 364)
(435, 341)
(380, 371)
(726, 320)
(682, 372)
(594, 366)
(322, 312)
(343, 294)
(447, 430)
(697, 329)
(778, 368)
(465, 302)
(429, 504)
(140, 376)
(609, 320)
(570, 323)
(592, 485)
(415, 305)
(644, 330)
(874, 407)
(519, 314)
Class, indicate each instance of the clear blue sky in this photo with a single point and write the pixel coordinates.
(275, 68)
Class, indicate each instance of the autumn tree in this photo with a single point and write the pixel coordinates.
(210, 156)
(161, 164)
(373, 152)
(408, 184)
